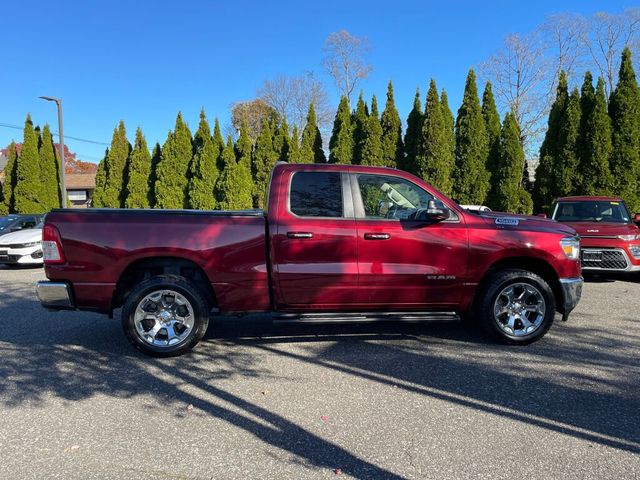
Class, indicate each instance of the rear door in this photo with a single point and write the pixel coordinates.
(313, 249)
(405, 263)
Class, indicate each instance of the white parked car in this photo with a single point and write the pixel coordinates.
(23, 247)
(476, 208)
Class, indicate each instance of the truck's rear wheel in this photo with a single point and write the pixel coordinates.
(165, 316)
(516, 306)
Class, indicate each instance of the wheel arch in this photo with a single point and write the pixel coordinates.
(145, 268)
(539, 266)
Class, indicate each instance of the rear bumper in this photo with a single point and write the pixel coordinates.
(55, 295)
(571, 292)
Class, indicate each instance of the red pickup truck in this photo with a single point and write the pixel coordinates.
(336, 242)
(609, 236)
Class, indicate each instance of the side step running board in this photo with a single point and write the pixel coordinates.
(369, 317)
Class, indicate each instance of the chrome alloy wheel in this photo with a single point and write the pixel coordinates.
(164, 318)
(519, 309)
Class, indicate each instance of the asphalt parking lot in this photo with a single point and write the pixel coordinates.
(393, 401)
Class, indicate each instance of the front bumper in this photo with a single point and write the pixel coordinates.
(21, 256)
(55, 295)
(608, 259)
(571, 293)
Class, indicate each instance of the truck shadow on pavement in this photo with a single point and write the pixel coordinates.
(579, 381)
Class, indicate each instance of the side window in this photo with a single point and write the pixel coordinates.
(316, 194)
(391, 197)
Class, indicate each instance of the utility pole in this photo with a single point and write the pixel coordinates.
(63, 184)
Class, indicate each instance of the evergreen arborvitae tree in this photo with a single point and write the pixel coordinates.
(392, 146)
(10, 180)
(624, 109)
(449, 126)
(293, 156)
(111, 191)
(546, 173)
(97, 199)
(218, 144)
(49, 173)
(471, 180)
(264, 159)
(137, 188)
(234, 187)
(243, 147)
(492, 124)
(434, 160)
(27, 190)
(595, 140)
(156, 156)
(567, 161)
(282, 141)
(371, 152)
(412, 136)
(510, 196)
(359, 120)
(341, 143)
(311, 142)
(172, 171)
(203, 171)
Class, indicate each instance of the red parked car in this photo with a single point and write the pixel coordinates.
(336, 242)
(609, 235)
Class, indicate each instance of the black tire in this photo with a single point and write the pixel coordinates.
(495, 286)
(183, 287)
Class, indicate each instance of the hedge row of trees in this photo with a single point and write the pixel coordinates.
(203, 171)
(592, 144)
(32, 173)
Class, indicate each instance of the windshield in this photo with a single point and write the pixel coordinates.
(4, 221)
(591, 211)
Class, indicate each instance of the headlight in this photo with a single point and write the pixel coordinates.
(571, 247)
(629, 238)
(635, 251)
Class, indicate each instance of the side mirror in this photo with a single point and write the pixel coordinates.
(636, 218)
(542, 215)
(436, 211)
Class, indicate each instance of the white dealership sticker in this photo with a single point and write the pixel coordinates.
(507, 221)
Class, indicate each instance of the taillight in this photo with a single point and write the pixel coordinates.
(51, 245)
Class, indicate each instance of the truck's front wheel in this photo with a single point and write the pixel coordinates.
(516, 306)
(165, 316)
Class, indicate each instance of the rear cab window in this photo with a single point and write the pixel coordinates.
(316, 195)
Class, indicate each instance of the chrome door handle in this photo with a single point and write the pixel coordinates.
(377, 236)
(299, 235)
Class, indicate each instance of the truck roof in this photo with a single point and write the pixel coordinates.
(338, 167)
(589, 198)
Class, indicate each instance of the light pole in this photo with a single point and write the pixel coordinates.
(63, 184)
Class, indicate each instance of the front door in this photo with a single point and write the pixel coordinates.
(405, 263)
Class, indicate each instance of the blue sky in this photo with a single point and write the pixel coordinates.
(142, 62)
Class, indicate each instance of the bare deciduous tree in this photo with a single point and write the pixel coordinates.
(345, 60)
(561, 35)
(290, 97)
(605, 38)
(520, 80)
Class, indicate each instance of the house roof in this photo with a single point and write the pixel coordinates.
(80, 181)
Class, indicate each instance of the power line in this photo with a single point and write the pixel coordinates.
(17, 127)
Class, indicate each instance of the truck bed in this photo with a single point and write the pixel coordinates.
(228, 246)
